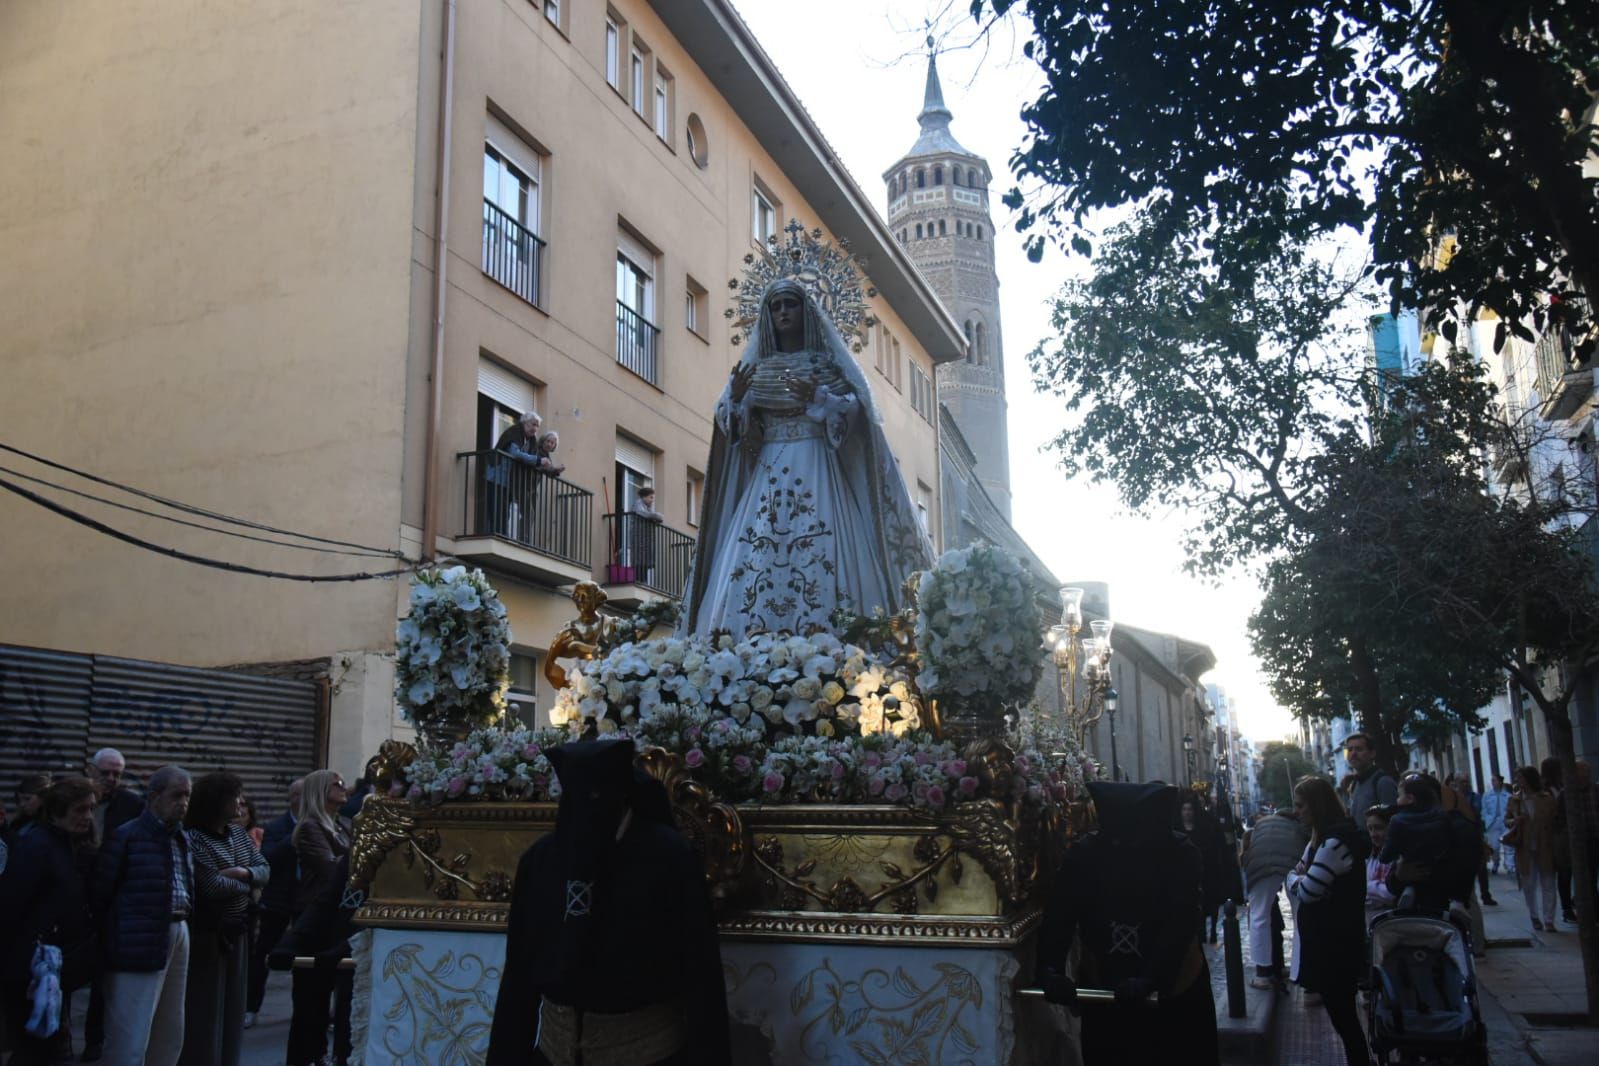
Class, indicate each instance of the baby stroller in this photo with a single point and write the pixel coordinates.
(1423, 1003)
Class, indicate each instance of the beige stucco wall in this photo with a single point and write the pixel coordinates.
(205, 209)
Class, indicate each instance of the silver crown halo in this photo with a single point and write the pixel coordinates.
(829, 272)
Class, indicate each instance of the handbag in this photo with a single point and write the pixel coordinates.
(1512, 837)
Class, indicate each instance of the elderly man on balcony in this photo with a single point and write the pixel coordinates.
(508, 479)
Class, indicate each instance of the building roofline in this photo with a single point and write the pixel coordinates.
(717, 38)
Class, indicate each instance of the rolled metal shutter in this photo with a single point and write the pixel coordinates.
(44, 713)
(504, 386)
(262, 728)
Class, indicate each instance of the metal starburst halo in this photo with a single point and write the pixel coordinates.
(829, 272)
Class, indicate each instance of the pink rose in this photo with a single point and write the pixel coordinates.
(969, 786)
(872, 760)
(922, 758)
(935, 796)
(693, 758)
(456, 786)
(741, 763)
(838, 771)
(530, 752)
(957, 767)
(875, 786)
(773, 781)
(895, 792)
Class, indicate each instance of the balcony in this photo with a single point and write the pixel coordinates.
(512, 254)
(649, 560)
(1563, 382)
(529, 524)
(637, 344)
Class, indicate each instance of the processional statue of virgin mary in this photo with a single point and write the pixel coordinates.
(805, 510)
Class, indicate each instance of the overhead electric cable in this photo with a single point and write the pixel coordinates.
(199, 560)
(374, 554)
(192, 509)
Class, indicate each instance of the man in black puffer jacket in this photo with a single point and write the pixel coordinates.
(143, 893)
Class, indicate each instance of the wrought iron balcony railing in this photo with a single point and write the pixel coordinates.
(637, 343)
(507, 498)
(648, 553)
(513, 255)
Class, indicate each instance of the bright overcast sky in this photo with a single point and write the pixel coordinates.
(844, 60)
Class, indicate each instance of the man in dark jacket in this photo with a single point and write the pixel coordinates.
(117, 806)
(277, 899)
(1131, 893)
(143, 893)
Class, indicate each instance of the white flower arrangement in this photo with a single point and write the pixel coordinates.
(977, 630)
(452, 651)
(492, 763)
(786, 684)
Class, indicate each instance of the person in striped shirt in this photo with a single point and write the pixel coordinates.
(1330, 885)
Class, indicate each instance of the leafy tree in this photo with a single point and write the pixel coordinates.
(1240, 126)
(1282, 764)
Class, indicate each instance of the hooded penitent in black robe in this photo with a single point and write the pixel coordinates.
(610, 916)
(1131, 892)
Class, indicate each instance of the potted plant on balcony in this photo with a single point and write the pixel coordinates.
(452, 655)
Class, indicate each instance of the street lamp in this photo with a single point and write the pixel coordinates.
(1111, 701)
(1066, 643)
(1190, 754)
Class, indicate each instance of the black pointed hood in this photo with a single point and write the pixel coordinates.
(1133, 813)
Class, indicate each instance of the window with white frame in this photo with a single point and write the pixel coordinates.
(512, 174)
(522, 698)
(663, 104)
(613, 51)
(763, 214)
(696, 309)
(694, 495)
(895, 372)
(639, 78)
(552, 11)
(637, 336)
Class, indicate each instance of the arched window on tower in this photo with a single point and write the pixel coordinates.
(979, 233)
(971, 344)
(955, 176)
(941, 231)
(938, 175)
(918, 231)
(921, 178)
(971, 177)
(981, 346)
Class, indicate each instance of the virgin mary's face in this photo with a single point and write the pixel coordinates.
(786, 309)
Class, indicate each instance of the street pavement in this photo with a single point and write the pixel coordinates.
(1524, 973)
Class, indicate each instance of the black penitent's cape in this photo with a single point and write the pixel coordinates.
(608, 925)
(1132, 892)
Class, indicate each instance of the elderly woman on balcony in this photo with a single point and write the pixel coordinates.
(504, 483)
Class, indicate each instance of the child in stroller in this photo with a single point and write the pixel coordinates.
(1423, 1004)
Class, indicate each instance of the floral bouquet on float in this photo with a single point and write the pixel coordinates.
(452, 655)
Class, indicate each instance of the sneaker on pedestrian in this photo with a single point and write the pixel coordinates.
(1489, 901)
(1569, 918)
(1537, 926)
(1261, 982)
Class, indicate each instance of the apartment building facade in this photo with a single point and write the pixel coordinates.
(305, 265)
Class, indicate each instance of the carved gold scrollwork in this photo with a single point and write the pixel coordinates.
(714, 828)
(980, 828)
(386, 824)
(794, 888)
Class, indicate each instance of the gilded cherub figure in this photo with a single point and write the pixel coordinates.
(584, 637)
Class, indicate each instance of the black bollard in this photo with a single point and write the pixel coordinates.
(1235, 962)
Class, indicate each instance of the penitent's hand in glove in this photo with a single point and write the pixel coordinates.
(1059, 988)
(1134, 991)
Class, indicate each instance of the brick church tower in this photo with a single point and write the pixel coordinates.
(938, 196)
